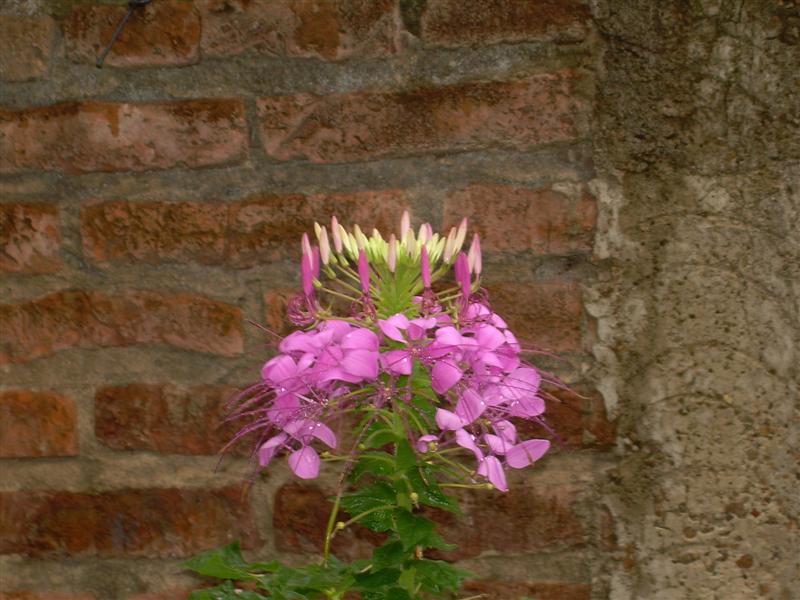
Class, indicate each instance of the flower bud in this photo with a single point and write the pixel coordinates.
(405, 224)
(474, 256)
(461, 235)
(337, 235)
(305, 244)
(449, 247)
(324, 246)
(360, 238)
(425, 267)
(363, 271)
(340, 525)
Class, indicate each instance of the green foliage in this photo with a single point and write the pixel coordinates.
(391, 485)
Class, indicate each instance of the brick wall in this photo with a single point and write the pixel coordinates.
(148, 210)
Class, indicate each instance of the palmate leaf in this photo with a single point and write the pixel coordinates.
(226, 591)
(380, 464)
(372, 498)
(227, 563)
(438, 577)
(414, 530)
(423, 482)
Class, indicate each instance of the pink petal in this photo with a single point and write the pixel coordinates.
(496, 444)
(522, 382)
(360, 339)
(527, 452)
(490, 337)
(425, 268)
(280, 369)
(467, 440)
(391, 327)
(506, 430)
(269, 448)
(283, 409)
(324, 434)
(444, 375)
(418, 328)
(449, 337)
(362, 363)
(397, 362)
(526, 408)
(470, 406)
(491, 468)
(306, 274)
(305, 462)
(299, 341)
(423, 441)
(448, 421)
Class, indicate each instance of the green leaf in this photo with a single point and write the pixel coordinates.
(414, 530)
(388, 555)
(378, 579)
(405, 457)
(437, 576)
(394, 593)
(226, 591)
(380, 464)
(423, 482)
(227, 563)
(372, 498)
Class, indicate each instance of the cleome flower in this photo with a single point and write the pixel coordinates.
(385, 330)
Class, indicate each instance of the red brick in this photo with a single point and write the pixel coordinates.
(470, 116)
(328, 29)
(578, 419)
(164, 33)
(155, 231)
(545, 315)
(37, 424)
(509, 218)
(29, 595)
(164, 418)
(242, 234)
(466, 22)
(147, 523)
(300, 517)
(170, 594)
(26, 47)
(79, 137)
(275, 305)
(270, 227)
(522, 520)
(80, 319)
(30, 238)
(535, 590)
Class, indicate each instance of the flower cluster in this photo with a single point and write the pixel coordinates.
(382, 331)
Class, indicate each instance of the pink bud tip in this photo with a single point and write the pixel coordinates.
(405, 224)
(475, 262)
(305, 244)
(324, 246)
(462, 274)
(337, 235)
(306, 273)
(363, 271)
(425, 264)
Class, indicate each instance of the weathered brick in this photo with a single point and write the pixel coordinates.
(470, 116)
(37, 424)
(26, 47)
(578, 418)
(168, 594)
(535, 590)
(30, 238)
(30, 595)
(69, 319)
(466, 22)
(270, 227)
(155, 231)
(164, 33)
(164, 418)
(300, 517)
(126, 523)
(545, 315)
(328, 29)
(79, 137)
(510, 218)
(525, 519)
(241, 234)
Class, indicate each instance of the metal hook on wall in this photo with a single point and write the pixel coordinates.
(132, 6)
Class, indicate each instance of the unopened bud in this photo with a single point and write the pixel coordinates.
(489, 486)
(305, 245)
(324, 246)
(405, 224)
(450, 244)
(461, 235)
(362, 446)
(474, 256)
(336, 234)
(340, 525)
(414, 498)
